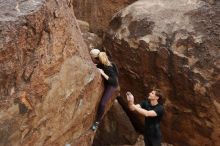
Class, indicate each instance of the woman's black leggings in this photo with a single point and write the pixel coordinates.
(152, 141)
(109, 90)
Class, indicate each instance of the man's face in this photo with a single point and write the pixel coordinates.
(152, 95)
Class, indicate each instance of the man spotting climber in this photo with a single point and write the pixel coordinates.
(153, 112)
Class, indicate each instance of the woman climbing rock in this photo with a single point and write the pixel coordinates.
(109, 71)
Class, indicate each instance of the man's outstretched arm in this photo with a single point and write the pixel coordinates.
(146, 113)
(138, 108)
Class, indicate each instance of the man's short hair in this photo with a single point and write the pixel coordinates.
(159, 94)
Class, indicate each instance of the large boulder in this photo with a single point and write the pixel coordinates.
(98, 13)
(49, 87)
(173, 45)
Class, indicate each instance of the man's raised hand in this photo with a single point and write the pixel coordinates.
(130, 97)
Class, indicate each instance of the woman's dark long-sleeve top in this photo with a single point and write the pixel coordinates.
(112, 72)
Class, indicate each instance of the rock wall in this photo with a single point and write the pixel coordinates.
(42, 54)
(98, 13)
(115, 129)
(173, 45)
(92, 40)
(50, 89)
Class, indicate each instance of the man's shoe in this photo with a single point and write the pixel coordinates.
(95, 126)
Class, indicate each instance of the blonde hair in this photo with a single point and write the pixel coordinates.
(103, 58)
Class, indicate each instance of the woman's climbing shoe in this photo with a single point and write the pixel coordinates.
(95, 126)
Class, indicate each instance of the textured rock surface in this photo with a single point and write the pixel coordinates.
(98, 13)
(43, 53)
(92, 40)
(83, 25)
(140, 142)
(173, 45)
(115, 129)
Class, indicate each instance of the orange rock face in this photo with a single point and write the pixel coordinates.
(98, 13)
(173, 45)
(43, 54)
